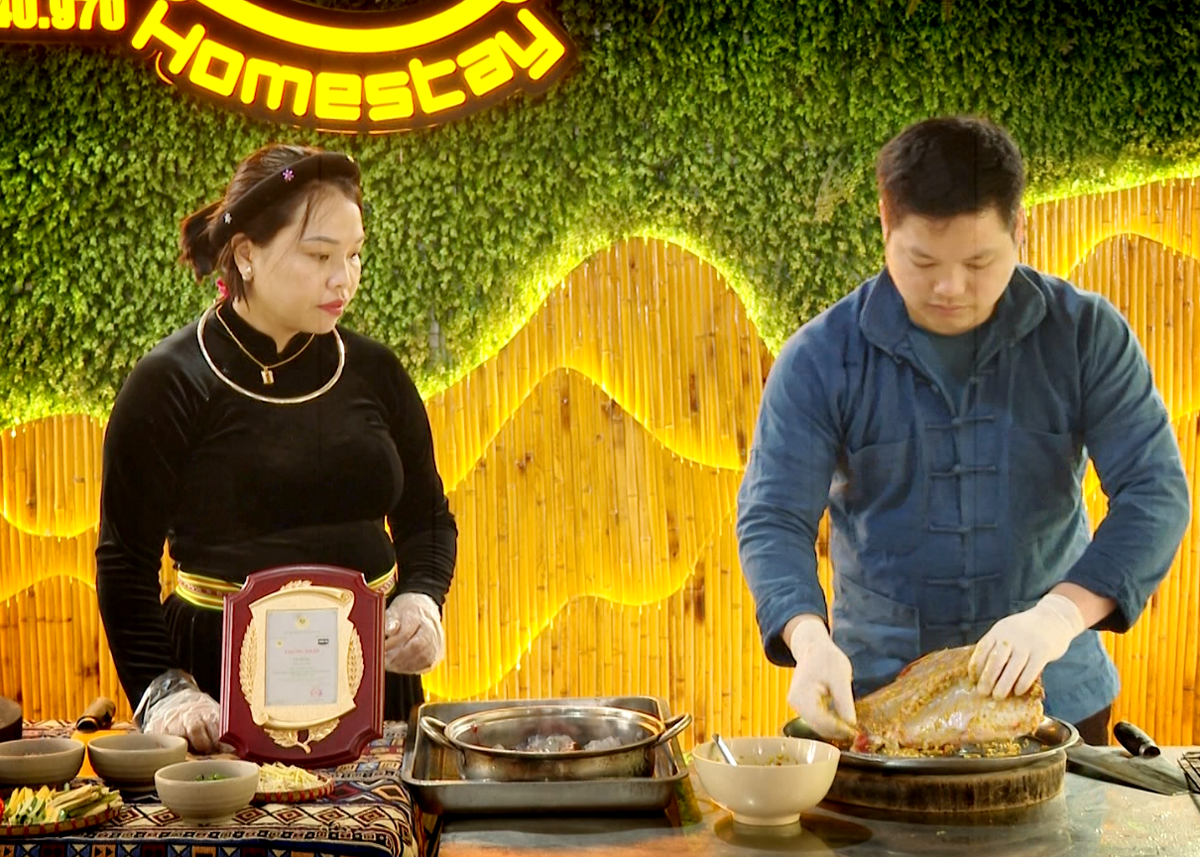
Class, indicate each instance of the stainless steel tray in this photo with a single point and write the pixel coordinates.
(432, 774)
(1052, 736)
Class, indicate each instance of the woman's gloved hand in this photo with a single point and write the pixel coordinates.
(189, 713)
(1010, 657)
(821, 686)
(414, 640)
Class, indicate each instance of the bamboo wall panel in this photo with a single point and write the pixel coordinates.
(574, 498)
(53, 656)
(1155, 288)
(593, 464)
(655, 328)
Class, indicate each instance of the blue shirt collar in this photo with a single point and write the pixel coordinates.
(884, 320)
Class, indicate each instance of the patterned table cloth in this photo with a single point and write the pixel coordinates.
(369, 814)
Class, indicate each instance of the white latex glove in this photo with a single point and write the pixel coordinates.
(414, 641)
(820, 691)
(1014, 652)
(189, 713)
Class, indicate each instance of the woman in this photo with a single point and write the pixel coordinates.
(262, 435)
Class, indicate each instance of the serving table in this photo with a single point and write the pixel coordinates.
(1089, 818)
(369, 814)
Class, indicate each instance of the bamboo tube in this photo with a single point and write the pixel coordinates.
(56, 657)
(515, 488)
(741, 661)
(87, 642)
(67, 486)
(10, 682)
(1188, 592)
(30, 680)
(1190, 710)
(675, 362)
(606, 321)
(568, 493)
(493, 553)
(72, 644)
(43, 660)
(536, 532)
(555, 497)
(639, 339)
(619, 304)
(485, 572)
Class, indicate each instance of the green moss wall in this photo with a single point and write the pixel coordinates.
(744, 130)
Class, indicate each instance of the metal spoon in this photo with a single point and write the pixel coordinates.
(724, 749)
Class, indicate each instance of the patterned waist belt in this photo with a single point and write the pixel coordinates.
(209, 592)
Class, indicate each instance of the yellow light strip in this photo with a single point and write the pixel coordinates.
(441, 684)
(354, 40)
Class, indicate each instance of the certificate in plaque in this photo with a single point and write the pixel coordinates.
(302, 672)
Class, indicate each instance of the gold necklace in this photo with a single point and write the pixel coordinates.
(295, 400)
(268, 377)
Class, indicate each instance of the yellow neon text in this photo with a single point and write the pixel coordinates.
(355, 40)
(61, 15)
(277, 75)
(433, 85)
(182, 46)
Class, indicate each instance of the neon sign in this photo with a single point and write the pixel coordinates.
(286, 61)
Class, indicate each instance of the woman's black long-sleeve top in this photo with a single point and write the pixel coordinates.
(236, 485)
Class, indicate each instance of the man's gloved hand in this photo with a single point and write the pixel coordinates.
(189, 713)
(1014, 652)
(820, 691)
(414, 641)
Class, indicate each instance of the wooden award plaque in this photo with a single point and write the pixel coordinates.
(302, 666)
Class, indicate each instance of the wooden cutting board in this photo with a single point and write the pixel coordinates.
(85, 737)
(950, 793)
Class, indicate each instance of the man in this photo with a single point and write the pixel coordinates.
(944, 412)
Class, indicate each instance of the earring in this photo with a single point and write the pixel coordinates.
(246, 274)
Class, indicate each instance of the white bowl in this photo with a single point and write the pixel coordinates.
(187, 790)
(774, 781)
(130, 761)
(40, 761)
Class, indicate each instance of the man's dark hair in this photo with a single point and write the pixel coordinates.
(948, 166)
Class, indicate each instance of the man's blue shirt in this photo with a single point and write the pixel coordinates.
(948, 511)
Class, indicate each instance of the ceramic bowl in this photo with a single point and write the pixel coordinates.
(775, 779)
(40, 761)
(207, 791)
(130, 761)
(10, 720)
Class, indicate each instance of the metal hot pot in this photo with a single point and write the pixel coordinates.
(485, 740)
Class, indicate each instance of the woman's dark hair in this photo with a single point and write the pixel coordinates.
(949, 166)
(267, 191)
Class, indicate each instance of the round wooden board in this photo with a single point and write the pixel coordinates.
(950, 793)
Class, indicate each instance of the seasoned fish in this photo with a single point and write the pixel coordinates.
(933, 708)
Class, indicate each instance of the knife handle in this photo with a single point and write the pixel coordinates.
(1133, 739)
(98, 715)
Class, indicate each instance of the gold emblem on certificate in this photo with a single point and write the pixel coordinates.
(296, 666)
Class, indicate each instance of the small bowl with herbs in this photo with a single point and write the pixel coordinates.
(207, 791)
